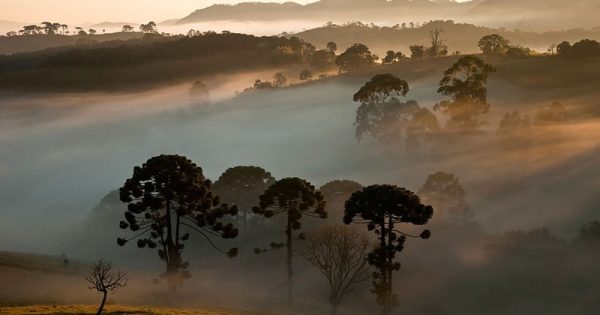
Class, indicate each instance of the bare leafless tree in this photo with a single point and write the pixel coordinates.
(104, 280)
(340, 254)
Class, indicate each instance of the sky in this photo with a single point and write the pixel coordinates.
(86, 11)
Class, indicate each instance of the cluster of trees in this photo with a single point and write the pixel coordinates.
(582, 49)
(497, 45)
(104, 64)
(50, 28)
(384, 117)
(168, 199)
(53, 28)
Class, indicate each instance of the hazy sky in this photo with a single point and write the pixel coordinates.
(82, 11)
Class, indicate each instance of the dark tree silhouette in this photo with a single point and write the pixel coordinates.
(391, 57)
(466, 83)
(382, 116)
(438, 48)
(340, 254)
(355, 58)
(517, 52)
(305, 75)
(323, 59)
(168, 196)
(563, 49)
(493, 44)
(149, 28)
(446, 195)
(382, 208)
(294, 198)
(242, 186)
(102, 279)
(332, 47)
(417, 51)
(127, 28)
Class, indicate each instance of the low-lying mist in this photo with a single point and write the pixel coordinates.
(61, 154)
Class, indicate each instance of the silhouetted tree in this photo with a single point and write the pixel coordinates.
(258, 84)
(242, 186)
(382, 208)
(166, 196)
(149, 28)
(340, 254)
(305, 75)
(585, 48)
(127, 28)
(438, 48)
(332, 47)
(517, 52)
(446, 195)
(356, 57)
(279, 79)
(199, 93)
(384, 117)
(417, 51)
(563, 48)
(391, 57)
(493, 44)
(92, 31)
(582, 49)
(102, 279)
(322, 59)
(11, 33)
(294, 198)
(466, 83)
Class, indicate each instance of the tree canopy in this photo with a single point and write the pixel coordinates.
(355, 58)
(493, 44)
(294, 198)
(382, 208)
(168, 197)
(466, 83)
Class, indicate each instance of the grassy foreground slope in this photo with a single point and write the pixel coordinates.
(114, 309)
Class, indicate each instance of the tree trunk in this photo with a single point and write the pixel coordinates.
(103, 301)
(289, 262)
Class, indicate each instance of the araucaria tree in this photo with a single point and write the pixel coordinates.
(466, 83)
(383, 208)
(294, 198)
(167, 198)
(103, 280)
(340, 254)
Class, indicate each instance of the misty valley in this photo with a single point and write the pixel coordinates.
(406, 157)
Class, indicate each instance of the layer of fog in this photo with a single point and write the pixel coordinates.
(62, 154)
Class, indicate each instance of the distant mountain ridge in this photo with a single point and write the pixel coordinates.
(510, 13)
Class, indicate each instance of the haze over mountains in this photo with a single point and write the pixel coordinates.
(527, 14)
